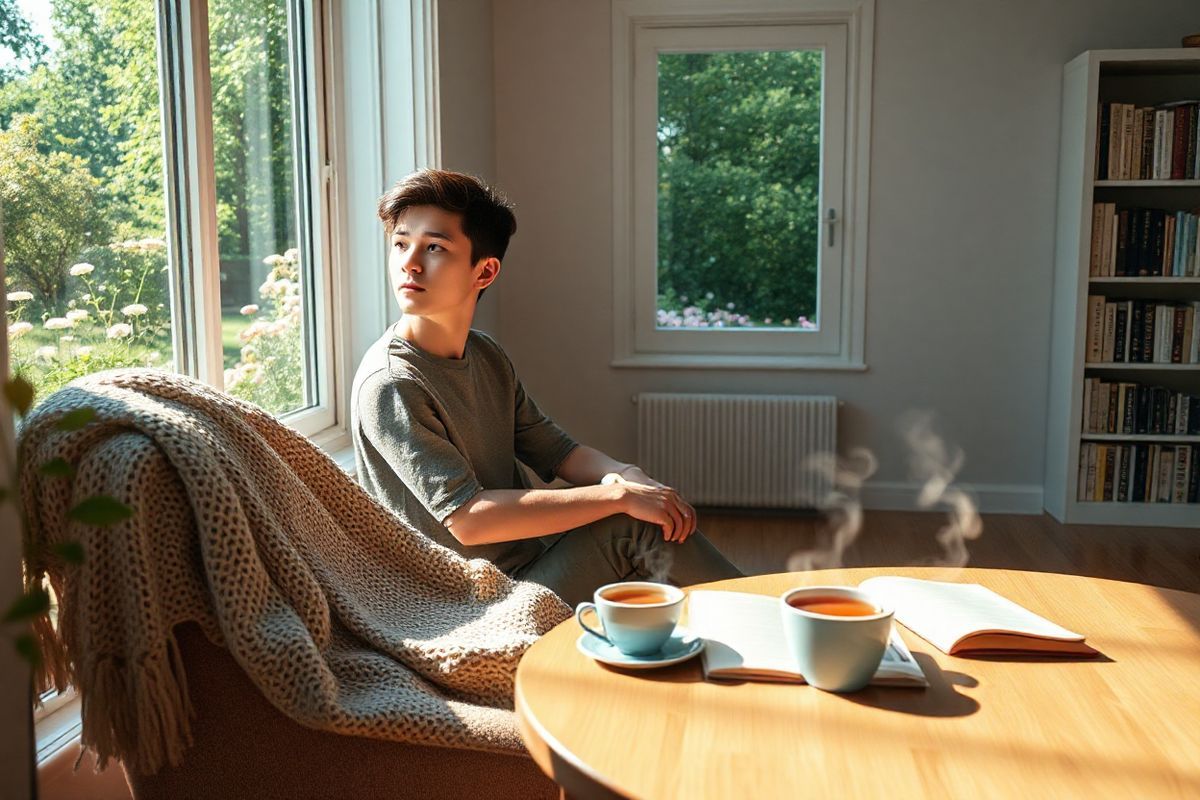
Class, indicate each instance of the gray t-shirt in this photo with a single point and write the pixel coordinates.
(431, 432)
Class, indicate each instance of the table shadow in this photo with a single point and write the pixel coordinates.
(1038, 658)
(940, 699)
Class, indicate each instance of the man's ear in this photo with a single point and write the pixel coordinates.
(490, 269)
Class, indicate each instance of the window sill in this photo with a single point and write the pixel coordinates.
(699, 361)
(57, 724)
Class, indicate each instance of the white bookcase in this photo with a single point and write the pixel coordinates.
(1143, 77)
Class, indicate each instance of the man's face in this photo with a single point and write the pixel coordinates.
(430, 267)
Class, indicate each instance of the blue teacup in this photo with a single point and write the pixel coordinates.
(638, 616)
(837, 634)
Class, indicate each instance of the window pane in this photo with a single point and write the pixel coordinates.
(739, 148)
(254, 146)
(81, 187)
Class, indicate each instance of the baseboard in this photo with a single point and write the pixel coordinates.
(991, 498)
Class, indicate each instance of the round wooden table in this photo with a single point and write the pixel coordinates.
(1126, 724)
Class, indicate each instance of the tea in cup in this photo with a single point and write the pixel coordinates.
(638, 617)
(837, 634)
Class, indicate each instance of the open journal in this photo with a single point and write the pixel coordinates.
(745, 641)
(969, 619)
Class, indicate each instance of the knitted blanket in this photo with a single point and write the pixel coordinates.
(344, 617)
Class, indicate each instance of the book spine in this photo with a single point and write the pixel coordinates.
(1183, 460)
(1160, 121)
(1179, 320)
(1093, 471)
(1168, 143)
(1135, 140)
(1166, 472)
(1097, 239)
(1123, 217)
(1179, 143)
(1148, 144)
(1121, 493)
(1194, 479)
(1190, 161)
(1158, 232)
(1108, 221)
(1087, 418)
(1110, 321)
(1140, 464)
(1193, 425)
(1148, 319)
(1095, 337)
(1126, 140)
(1130, 395)
(1136, 331)
(1102, 135)
(1110, 458)
(1120, 326)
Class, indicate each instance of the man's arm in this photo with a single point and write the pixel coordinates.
(503, 515)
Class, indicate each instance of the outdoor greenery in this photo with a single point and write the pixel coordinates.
(82, 201)
(738, 170)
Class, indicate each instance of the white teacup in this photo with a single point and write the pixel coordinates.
(838, 644)
(638, 616)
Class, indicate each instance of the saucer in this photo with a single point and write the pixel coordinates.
(682, 645)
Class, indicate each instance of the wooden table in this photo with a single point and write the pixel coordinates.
(1124, 725)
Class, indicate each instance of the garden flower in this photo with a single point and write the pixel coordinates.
(86, 350)
(47, 352)
(82, 268)
(134, 310)
(151, 244)
(249, 310)
(120, 330)
(57, 324)
(19, 329)
(77, 314)
(291, 254)
(67, 338)
(274, 260)
(19, 297)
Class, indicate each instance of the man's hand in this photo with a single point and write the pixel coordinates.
(650, 501)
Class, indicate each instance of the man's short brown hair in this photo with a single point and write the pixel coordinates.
(487, 217)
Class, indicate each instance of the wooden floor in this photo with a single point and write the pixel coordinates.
(1168, 557)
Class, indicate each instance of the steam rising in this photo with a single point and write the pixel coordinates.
(931, 462)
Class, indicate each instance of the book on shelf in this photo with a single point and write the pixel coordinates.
(1142, 331)
(1148, 142)
(744, 640)
(969, 619)
(1139, 472)
(1143, 242)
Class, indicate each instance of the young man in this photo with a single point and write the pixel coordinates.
(440, 419)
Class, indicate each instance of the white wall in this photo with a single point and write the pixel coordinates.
(965, 137)
(467, 106)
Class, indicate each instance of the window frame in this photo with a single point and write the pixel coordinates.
(641, 30)
(190, 186)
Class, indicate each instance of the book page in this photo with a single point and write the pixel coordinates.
(946, 613)
(744, 639)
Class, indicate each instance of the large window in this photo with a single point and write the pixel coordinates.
(161, 186)
(740, 144)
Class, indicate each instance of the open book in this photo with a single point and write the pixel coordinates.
(745, 641)
(969, 619)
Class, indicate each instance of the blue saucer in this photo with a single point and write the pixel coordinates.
(682, 645)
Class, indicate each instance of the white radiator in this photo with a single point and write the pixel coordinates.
(738, 451)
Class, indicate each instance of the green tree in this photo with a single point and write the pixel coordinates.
(739, 166)
(47, 202)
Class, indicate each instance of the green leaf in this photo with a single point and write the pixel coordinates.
(74, 420)
(28, 649)
(19, 393)
(70, 552)
(57, 468)
(100, 510)
(35, 601)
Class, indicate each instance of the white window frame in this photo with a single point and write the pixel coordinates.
(186, 108)
(843, 30)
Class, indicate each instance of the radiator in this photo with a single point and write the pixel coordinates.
(738, 451)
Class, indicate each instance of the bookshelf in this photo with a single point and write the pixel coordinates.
(1092, 81)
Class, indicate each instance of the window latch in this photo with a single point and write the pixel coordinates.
(830, 221)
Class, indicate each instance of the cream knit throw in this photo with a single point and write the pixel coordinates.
(345, 618)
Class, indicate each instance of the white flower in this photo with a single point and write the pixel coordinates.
(86, 350)
(82, 268)
(274, 260)
(249, 310)
(19, 297)
(120, 330)
(66, 337)
(151, 244)
(48, 352)
(57, 324)
(77, 314)
(154, 356)
(134, 310)
(291, 254)
(19, 329)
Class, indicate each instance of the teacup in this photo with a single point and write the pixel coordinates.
(838, 635)
(638, 616)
